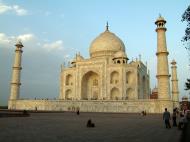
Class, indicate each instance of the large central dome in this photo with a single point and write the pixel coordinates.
(106, 44)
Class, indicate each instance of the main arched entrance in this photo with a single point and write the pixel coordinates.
(90, 86)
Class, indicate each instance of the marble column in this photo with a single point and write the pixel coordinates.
(16, 71)
(163, 77)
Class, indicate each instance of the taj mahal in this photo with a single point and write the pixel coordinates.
(107, 75)
(106, 81)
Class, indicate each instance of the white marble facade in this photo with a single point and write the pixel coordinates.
(108, 81)
(106, 75)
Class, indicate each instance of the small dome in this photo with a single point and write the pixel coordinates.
(184, 98)
(73, 61)
(173, 62)
(77, 58)
(120, 54)
(160, 19)
(107, 43)
(155, 90)
(19, 43)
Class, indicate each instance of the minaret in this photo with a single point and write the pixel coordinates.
(175, 91)
(15, 82)
(163, 76)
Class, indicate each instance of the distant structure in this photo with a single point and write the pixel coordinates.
(154, 94)
(15, 82)
(174, 80)
(107, 81)
(185, 104)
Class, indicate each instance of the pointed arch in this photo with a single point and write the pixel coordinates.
(129, 94)
(129, 77)
(144, 86)
(90, 86)
(69, 79)
(114, 94)
(114, 77)
(68, 94)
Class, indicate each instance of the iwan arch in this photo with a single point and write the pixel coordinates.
(107, 81)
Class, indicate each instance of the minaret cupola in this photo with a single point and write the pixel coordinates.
(160, 22)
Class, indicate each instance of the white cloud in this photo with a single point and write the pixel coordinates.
(9, 41)
(19, 11)
(57, 45)
(5, 40)
(15, 8)
(26, 37)
(4, 8)
(30, 41)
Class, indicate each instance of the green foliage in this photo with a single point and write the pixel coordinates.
(187, 84)
(186, 17)
(3, 107)
(186, 38)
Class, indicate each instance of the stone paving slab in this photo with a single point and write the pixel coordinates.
(69, 127)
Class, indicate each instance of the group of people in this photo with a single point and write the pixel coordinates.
(166, 117)
(143, 113)
(182, 118)
(89, 122)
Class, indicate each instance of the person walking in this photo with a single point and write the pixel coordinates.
(78, 112)
(174, 116)
(166, 118)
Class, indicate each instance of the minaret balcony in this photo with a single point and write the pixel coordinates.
(161, 28)
(163, 75)
(15, 83)
(17, 68)
(162, 52)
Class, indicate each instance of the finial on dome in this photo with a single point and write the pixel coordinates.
(19, 43)
(173, 62)
(139, 57)
(160, 19)
(107, 26)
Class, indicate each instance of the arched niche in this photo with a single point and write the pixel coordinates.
(69, 79)
(129, 77)
(129, 94)
(90, 86)
(68, 94)
(114, 78)
(144, 85)
(114, 94)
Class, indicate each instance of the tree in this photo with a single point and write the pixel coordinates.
(186, 38)
(186, 17)
(187, 84)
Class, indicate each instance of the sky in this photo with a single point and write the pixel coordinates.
(53, 31)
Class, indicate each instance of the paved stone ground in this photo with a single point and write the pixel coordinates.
(68, 127)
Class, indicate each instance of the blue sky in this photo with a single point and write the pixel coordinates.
(52, 32)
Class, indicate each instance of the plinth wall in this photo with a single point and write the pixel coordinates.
(132, 106)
